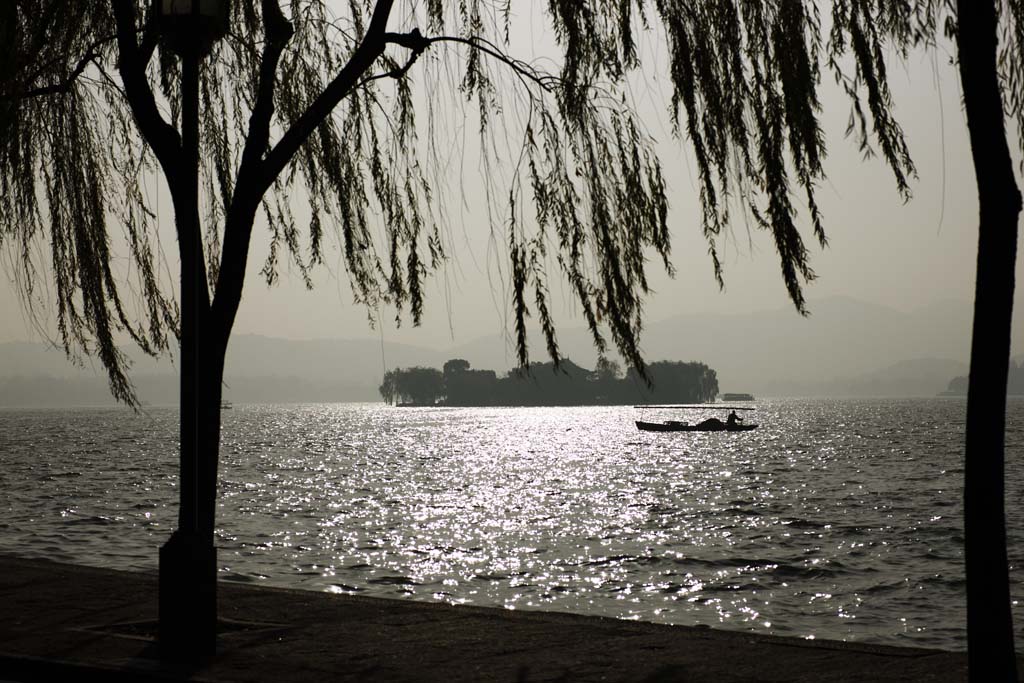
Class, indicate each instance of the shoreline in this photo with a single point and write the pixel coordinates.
(87, 623)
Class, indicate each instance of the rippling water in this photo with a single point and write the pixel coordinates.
(835, 519)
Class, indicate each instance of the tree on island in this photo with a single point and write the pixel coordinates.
(698, 382)
(455, 366)
(310, 107)
(388, 387)
(607, 370)
(412, 386)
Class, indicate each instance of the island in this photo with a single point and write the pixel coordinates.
(550, 384)
(1014, 382)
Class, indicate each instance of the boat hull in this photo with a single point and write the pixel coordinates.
(662, 427)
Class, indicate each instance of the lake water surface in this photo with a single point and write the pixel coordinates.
(835, 519)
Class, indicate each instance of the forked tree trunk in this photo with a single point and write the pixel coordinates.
(990, 647)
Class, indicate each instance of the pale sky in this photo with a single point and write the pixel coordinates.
(881, 250)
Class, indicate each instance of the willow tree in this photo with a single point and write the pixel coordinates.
(308, 109)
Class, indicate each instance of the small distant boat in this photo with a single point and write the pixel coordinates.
(737, 397)
(711, 424)
(226, 405)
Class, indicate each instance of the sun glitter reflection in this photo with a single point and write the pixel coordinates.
(796, 525)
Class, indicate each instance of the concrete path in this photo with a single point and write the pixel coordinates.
(65, 622)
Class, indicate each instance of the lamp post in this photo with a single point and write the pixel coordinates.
(188, 561)
(191, 25)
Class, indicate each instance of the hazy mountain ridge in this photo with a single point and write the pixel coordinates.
(914, 377)
(259, 370)
(845, 347)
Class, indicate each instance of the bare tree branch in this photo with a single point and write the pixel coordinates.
(62, 87)
(370, 48)
(523, 69)
(248, 191)
(90, 55)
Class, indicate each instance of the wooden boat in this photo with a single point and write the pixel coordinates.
(711, 424)
(676, 426)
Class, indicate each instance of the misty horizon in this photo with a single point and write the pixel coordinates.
(925, 350)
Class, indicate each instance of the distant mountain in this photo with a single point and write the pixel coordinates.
(361, 361)
(27, 358)
(844, 348)
(915, 377)
(48, 391)
(259, 369)
(841, 338)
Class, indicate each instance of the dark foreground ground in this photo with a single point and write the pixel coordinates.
(64, 622)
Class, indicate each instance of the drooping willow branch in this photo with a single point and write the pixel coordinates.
(295, 114)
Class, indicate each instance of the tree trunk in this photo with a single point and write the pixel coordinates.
(990, 647)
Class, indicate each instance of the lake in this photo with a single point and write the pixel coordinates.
(835, 519)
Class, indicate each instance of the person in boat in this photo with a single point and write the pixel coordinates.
(733, 419)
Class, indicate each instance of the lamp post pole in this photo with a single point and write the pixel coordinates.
(188, 516)
(188, 561)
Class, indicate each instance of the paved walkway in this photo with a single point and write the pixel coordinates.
(65, 622)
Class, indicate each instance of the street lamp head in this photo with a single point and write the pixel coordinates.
(187, 25)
